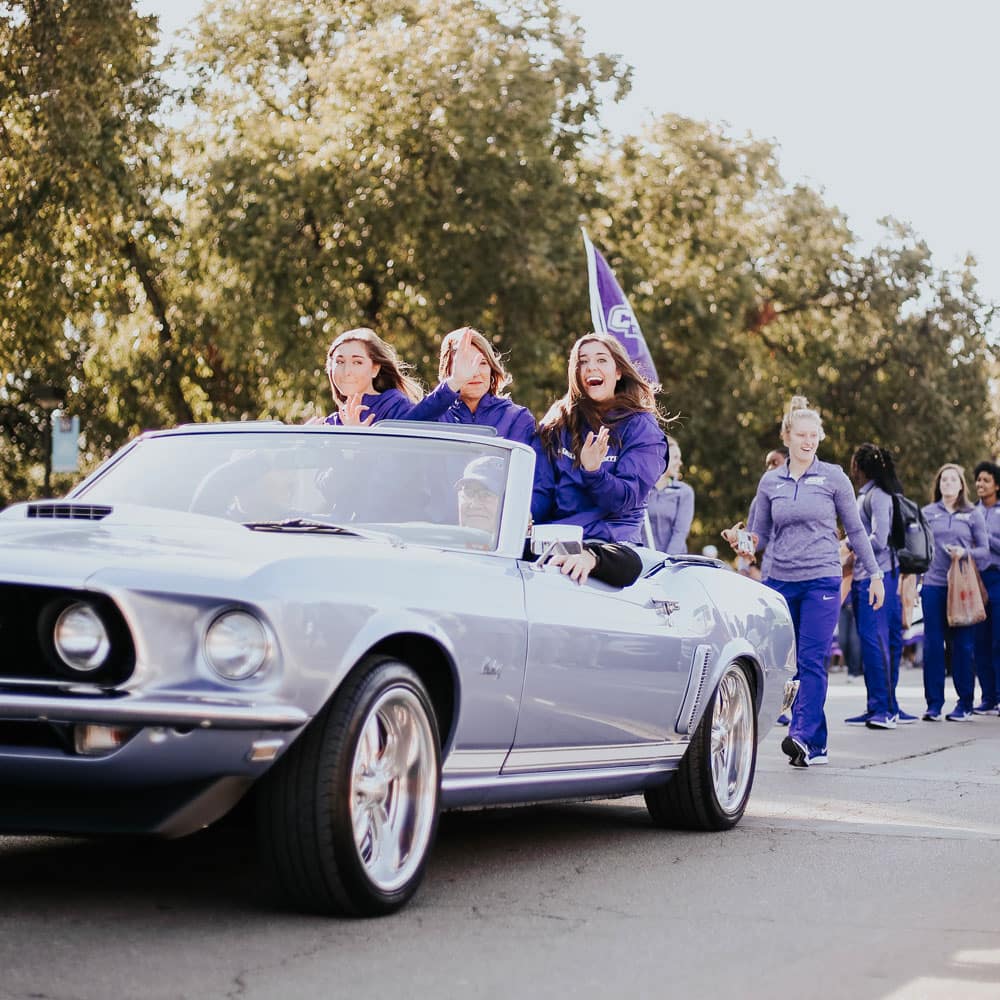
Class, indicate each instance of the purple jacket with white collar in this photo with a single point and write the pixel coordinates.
(609, 503)
(796, 521)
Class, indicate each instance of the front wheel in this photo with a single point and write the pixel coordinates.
(712, 786)
(347, 817)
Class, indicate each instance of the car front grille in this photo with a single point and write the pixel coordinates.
(27, 653)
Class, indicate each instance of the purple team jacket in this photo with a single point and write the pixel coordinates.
(513, 422)
(796, 521)
(395, 405)
(609, 503)
(963, 527)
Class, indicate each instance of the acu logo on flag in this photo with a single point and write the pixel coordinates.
(621, 320)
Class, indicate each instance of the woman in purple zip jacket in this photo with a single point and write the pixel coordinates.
(957, 526)
(480, 399)
(600, 447)
(795, 516)
(369, 381)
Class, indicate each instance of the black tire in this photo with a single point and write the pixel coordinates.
(691, 800)
(340, 797)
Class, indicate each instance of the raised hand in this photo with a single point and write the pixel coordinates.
(594, 450)
(350, 412)
(466, 362)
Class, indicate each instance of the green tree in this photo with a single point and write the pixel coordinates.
(410, 166)
(750, 291)
(82, 226)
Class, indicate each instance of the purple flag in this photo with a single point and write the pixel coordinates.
(611, 313)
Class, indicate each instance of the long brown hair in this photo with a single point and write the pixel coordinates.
(579, 414)
(500, 378)
(963, 493)
(391, 371)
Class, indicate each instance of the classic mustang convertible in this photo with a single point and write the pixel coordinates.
(347, 621)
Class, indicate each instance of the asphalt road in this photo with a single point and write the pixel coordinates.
(876, 876)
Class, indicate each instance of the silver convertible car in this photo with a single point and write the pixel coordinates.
(348, 623)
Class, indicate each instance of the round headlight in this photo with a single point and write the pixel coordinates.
(80, 638)
(236, 645)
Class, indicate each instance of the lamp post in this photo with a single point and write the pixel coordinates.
(49, 398)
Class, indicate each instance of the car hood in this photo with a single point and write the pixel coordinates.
(151, 544)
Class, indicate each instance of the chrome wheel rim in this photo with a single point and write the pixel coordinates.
(732, 739)
(394, 788)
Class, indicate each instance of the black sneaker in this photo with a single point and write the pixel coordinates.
(797, 751)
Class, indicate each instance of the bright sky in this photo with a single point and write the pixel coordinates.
(888, 106)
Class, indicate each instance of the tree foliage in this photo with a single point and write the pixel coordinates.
(417, 166)
(82, 225)
(751, 292)
(408, 166)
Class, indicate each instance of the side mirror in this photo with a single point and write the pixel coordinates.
(563, 539)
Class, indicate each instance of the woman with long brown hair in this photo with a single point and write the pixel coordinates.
(959, 527)
(601, 448)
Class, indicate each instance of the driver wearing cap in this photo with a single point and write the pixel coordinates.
(480, 493)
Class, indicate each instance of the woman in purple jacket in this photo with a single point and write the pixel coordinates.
(369, 381)
(600, 447)
(795, 516)
(957, 526)
(480, 399)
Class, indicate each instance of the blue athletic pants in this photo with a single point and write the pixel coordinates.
(881, 635)
(988, 640)
(815, 608)
(936, 628)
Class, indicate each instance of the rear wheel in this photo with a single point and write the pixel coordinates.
(712, 786)
(347, 817)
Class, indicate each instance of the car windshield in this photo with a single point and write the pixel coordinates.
(436, 492)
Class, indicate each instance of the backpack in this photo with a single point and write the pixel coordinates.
(911, 540)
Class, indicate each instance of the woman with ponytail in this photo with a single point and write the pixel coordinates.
(795, 516)
(601, 449)
(874, 474)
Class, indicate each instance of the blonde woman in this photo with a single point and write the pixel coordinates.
(795, 515)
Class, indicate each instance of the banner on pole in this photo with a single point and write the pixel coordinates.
(611, 313)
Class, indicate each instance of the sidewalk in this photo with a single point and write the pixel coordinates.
(943, 775)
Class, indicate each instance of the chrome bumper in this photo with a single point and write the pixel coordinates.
(133, 710)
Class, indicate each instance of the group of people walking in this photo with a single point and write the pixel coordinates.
(794, 520)
(604, 463)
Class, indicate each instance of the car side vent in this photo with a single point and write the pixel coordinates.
(69, 511)
(688, 715)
